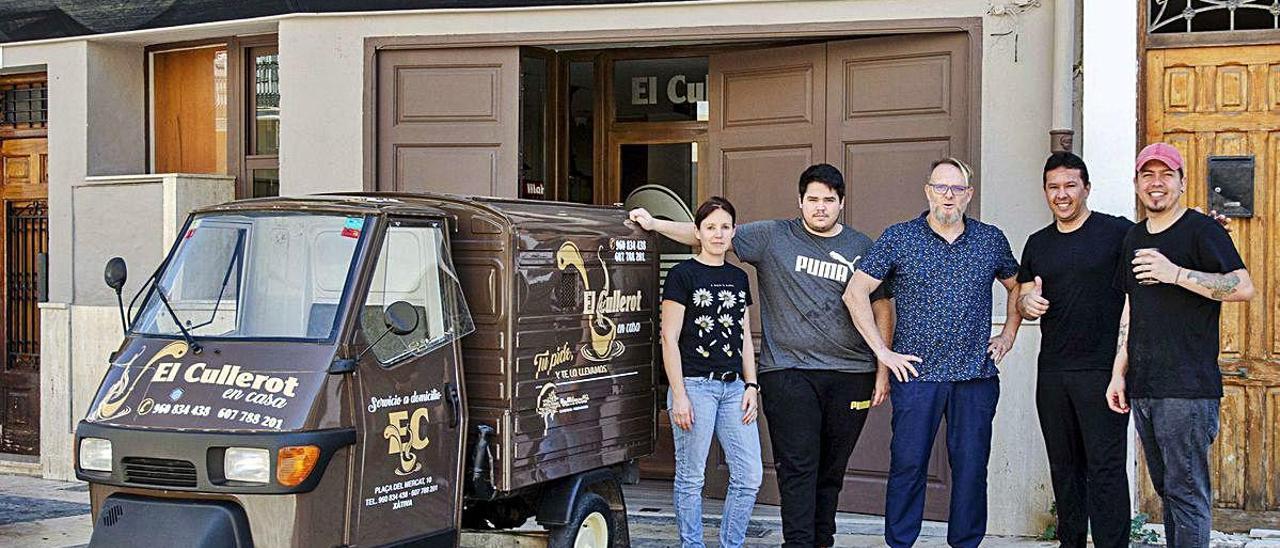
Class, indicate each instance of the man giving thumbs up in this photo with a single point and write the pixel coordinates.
(1066, 281)
(1032, 303)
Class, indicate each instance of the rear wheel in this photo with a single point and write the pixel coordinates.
(590, 526)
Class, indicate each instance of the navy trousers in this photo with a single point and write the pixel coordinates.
(918, 408)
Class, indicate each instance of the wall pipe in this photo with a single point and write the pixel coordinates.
(1061, 134)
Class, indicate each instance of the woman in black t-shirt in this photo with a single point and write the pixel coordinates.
(710, 363)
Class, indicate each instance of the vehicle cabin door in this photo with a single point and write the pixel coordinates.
(409, 393)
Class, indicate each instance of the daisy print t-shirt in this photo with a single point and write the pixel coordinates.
(715, 300)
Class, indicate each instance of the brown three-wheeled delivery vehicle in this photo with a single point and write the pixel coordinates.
(370, 370)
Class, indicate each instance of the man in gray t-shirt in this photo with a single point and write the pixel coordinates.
(799, 273)
(818, 378)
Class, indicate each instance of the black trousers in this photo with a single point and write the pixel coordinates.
(815, 418)
(1086, 445)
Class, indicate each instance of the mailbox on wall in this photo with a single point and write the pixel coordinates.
(1230, 185)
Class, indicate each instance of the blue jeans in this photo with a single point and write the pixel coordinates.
(918, 408)
(717, 410)
(1176, 434)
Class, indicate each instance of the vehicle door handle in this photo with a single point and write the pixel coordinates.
(1241, 372)
(454, 404)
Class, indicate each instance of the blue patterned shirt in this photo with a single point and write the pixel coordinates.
(943, 293)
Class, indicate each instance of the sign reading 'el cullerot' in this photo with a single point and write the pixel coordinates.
(660, 90)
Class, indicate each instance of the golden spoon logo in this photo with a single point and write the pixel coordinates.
(604, 345)
(113, 402)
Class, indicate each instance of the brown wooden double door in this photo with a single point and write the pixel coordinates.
(880, 109)
(24, 240)
(1225, 101)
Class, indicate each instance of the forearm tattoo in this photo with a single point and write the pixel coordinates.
(1123, 339)
(1220, 285)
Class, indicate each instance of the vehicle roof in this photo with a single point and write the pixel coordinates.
(367, 203)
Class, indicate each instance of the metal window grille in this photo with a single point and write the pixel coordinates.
(267, 76)
(26, 243)
(1196, 16)
(24, 106)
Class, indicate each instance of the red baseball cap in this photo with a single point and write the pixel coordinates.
(1161, 152)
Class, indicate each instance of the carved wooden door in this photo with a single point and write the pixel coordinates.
(1225, 101)
(25, 237)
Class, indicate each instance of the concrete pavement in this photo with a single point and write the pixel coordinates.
(44, 513)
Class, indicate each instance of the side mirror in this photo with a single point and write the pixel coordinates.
(401, 318)
(115, 274)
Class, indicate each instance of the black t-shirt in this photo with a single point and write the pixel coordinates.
(1173, 333)
(1077, 269)
(715, 300)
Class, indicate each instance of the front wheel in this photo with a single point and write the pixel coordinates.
(591, 525)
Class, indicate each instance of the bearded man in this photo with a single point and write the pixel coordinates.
(939, 268)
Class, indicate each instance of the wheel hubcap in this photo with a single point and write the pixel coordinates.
(593, 533)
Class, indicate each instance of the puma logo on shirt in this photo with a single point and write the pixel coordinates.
(827, 269)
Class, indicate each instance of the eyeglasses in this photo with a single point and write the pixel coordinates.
(941, 189)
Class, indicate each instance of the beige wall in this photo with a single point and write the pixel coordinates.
(322, 146)
(97, 85)
(96, 111)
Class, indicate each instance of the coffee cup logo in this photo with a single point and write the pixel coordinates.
(604, 331)
(406, 434)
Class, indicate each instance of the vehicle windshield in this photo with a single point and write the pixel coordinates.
(255, 275)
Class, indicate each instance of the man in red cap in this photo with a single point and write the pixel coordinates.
(1181, 266)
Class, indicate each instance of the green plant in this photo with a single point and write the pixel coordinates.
(1137, 530)
(1137, 533)
(1051, 530)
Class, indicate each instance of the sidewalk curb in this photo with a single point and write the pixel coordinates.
(873, 526)
(11, 465)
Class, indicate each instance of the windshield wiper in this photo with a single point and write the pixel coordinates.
(226, 277)
(191, 341)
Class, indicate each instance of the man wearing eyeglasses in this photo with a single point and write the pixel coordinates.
(939, 267)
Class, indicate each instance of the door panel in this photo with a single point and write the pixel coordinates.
(767, 124)
(895, 104)
(881, 110)
(1223, 101)
(448, 120)
(408, 452)
(25, 241)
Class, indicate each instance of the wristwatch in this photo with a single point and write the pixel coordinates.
(752, 385)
